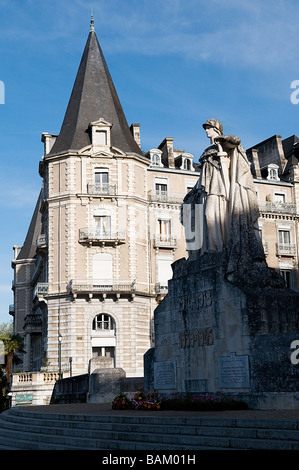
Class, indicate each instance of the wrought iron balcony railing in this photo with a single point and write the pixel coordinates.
(285, 249)
(40, 289)
(279, 207)
(166, 197)
(92, 235)
(101, 286)
(165, 241)
(41, 241)
(105, 189)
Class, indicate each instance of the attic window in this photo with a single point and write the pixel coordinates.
(273, 172)
(187, 160)
(100, 133)
(155, 157)
(101, 137)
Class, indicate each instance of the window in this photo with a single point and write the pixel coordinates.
(102, 269)
(101, 176)
(156, 159)
(284, 237)
(161, 188)
(280, 198)
(101, 137)
(103, 352)
(287, 276)
(273, 172)
(164, 269)
(164, 227)
(103, 225)
(187, 164)
(103, 322)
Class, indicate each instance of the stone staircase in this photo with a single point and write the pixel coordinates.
(22, 429)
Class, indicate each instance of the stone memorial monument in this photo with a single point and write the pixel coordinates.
(228, 322)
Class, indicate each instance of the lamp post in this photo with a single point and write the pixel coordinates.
(59, 354)
(70, 361)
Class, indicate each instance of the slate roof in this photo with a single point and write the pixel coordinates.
(93, 97)
(28, 250)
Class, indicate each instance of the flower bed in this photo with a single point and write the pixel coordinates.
(176, 401)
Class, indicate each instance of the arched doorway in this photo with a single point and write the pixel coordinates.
(103, 337)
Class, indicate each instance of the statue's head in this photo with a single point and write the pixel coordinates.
(216, 125)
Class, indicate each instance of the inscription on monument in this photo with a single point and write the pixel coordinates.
(196, 300)
(165, 375)
(233, 372)
(200, 337)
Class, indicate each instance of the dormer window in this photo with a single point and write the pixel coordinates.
(156, 157)
(100, 134)
(187, 162)
(273, 172)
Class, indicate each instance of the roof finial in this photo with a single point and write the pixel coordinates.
(91, 21)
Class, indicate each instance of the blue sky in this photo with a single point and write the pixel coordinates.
(175, 63)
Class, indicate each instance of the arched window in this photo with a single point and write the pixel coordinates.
(103, 322)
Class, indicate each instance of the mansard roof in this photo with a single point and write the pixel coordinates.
(93, 97)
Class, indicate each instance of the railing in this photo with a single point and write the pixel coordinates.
(285, 249)
(161, 288)
(105, 189)
(41, 288)
(92, 234)
(101, 286)
(280, 207)
(165, 196)
(33, 319)
(41, 241)
(165, 240)
(35, 377)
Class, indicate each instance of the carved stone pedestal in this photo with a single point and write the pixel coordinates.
(212, 336)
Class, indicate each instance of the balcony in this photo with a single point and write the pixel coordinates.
(11, 309)
(94, 236)
(40, 290)
(161, 289)
(101, 286)
(103, 189)
(285, 249)
(41, 242)
(165, 241)
(166, 197)
(33, 319)
(278, 207)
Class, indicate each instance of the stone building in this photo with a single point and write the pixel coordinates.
(276, 175)
(105, 230)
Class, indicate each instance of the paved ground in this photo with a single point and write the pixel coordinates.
(105, 408)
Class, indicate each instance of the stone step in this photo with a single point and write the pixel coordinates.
(21, 429)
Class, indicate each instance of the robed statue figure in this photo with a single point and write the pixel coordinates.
(224, 204)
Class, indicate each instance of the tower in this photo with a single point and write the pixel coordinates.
(105, 231)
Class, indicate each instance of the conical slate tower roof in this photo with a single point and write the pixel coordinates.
(93, 97)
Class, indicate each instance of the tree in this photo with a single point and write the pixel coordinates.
(12, 344)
